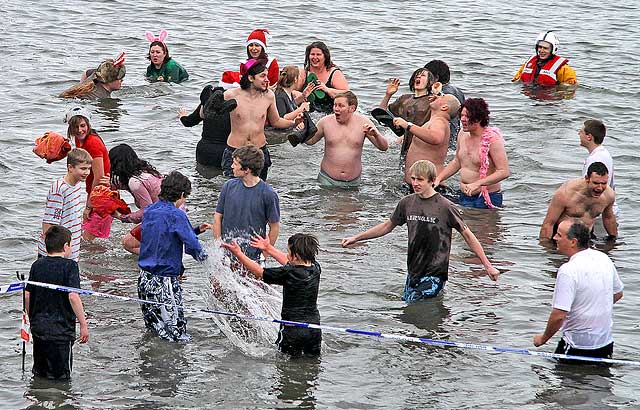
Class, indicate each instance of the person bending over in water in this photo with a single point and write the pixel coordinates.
(163, 67)
(583, 198)
(431, 139)
(256, 104)
(429, 217)
(480, 158)
(344, 133)
(100, 82)
(414, 107)
(300, 278)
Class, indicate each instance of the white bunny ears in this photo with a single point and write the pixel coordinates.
(161, 37)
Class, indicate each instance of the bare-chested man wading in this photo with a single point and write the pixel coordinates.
(256, 104)
(344, 132)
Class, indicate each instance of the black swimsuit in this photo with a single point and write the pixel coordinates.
(323, 104)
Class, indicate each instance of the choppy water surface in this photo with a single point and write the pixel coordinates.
(46, 45)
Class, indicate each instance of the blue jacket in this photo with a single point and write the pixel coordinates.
(165, 230)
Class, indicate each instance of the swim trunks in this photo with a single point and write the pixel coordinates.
(477, 201)
(166, 320)
(605, 352)
(427, 287)
(295, 340)
(325, 180)
(227, 160)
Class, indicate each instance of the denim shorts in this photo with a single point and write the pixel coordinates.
(477, 201)
(427, 287)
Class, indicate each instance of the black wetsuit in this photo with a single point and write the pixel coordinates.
(215, 132)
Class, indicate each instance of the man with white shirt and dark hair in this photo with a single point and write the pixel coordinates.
(591, 137)
(586, 288)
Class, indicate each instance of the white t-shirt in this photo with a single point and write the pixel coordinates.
(600, 154)
(584, 288)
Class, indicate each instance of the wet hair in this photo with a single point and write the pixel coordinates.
(477, 111)
(352, 99)
(424, 168)
(579, 231)
(288, 76)
(78, 156)
(254, 70)
(174, 186)
(597, 129)
(430, 79)
(125, 164)
(250, 157)
(325, 50)
(599, 168)
(263, 54)
(56, 237)
(79, 90)
(164, 47)
(440, 69)
(304, 246)
(74, 122)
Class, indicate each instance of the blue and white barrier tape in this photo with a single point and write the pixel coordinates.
(441, 343)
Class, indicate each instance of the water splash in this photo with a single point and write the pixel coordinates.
(236, 290)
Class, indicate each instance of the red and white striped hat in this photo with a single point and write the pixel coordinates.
(259, 36)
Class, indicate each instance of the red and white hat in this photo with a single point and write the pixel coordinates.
(259, 36)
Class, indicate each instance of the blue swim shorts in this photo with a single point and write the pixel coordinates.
(427, 287)
(477, 201)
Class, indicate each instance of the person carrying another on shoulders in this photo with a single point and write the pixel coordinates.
(592, 138)
(583, 198)
(321, 79)
(256, 50)
(256, 104)
(587, 286)
(431, 140)
(246, 203)
(414, 107)
(430, 217)
(163, 67)
(440, 70)
(480, 157)
(546, 67)
(344, 133)
(100, 82)
(85, 137)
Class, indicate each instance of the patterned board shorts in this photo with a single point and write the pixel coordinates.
(427, 287)
(166, 320)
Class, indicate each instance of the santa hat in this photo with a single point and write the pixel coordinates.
(230, 79)
(259, 36)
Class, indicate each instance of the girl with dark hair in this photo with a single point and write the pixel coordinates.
(142, 180)
(163, 67)
(321, 80)
(256, 50)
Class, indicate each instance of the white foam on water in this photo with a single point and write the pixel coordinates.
(240, 292)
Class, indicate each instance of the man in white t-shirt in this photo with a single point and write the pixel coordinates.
(587, 286)
(591, 137)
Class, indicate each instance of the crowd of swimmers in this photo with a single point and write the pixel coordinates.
(432, 119)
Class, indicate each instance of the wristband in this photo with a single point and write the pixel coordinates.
(409, 125)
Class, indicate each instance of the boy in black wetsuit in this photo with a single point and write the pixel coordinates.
(300, 278)
(53, 313)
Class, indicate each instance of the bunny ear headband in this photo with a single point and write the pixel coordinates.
(161, 37)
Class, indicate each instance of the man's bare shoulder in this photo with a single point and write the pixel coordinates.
(327, 119)
(232, 93)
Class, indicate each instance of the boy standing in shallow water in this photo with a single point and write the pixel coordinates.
(66, 201)
(300, 277)
(53, 313)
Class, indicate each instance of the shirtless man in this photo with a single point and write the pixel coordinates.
(432, 139)
(585, 199)
(256, 104)
(344, 132)
(479, 183)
